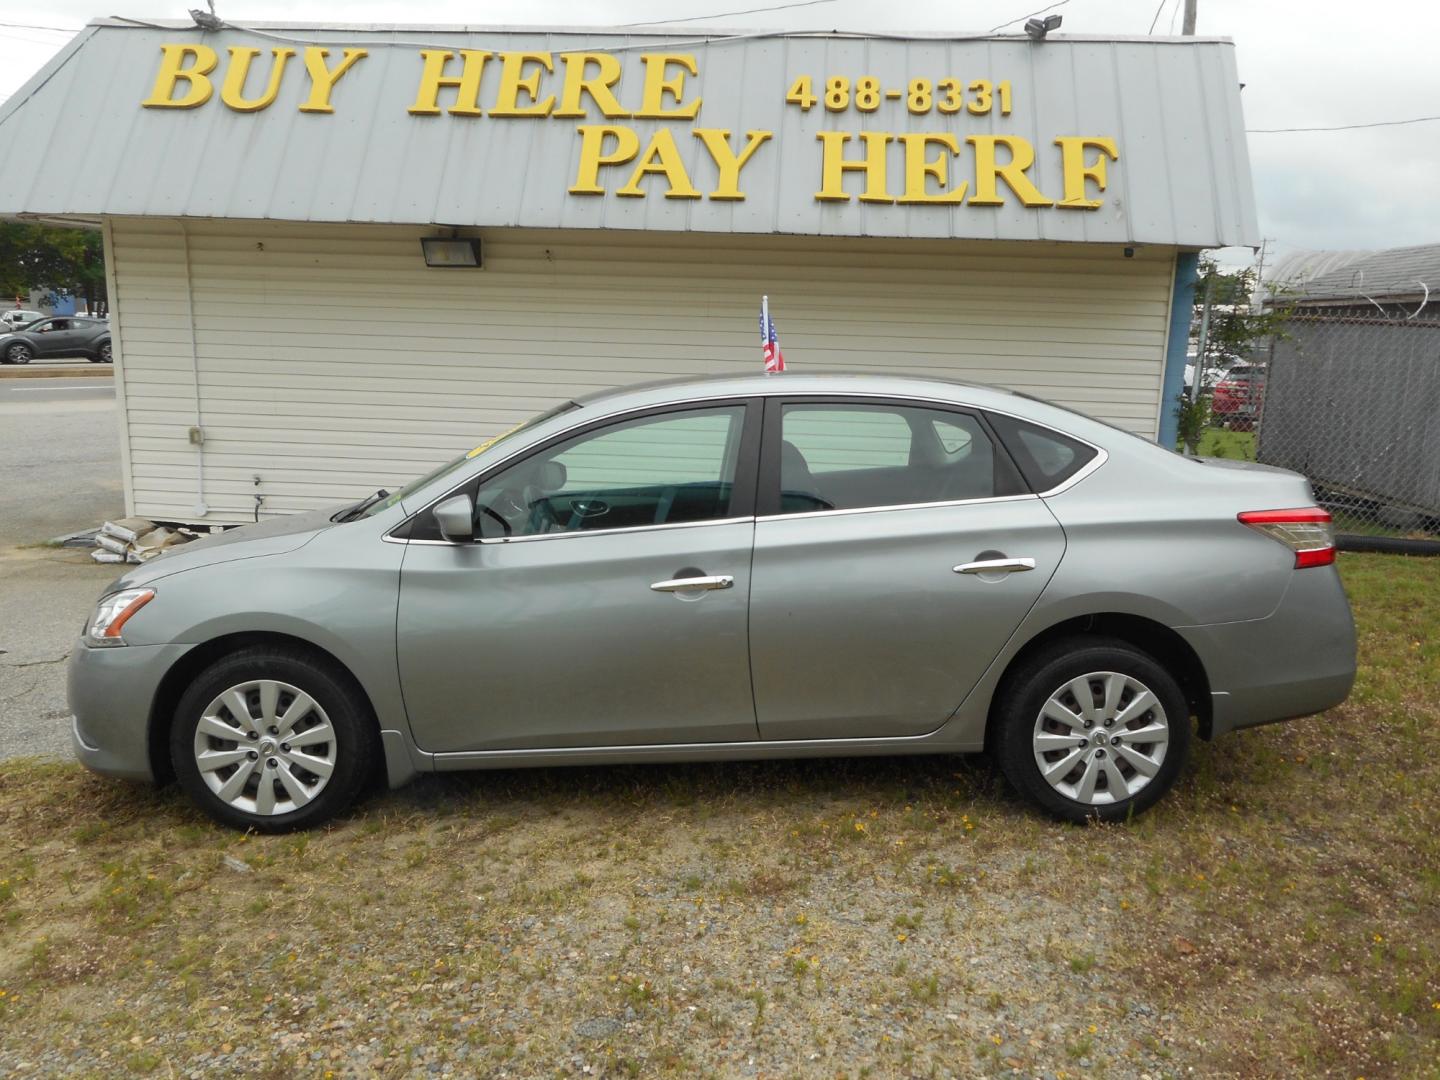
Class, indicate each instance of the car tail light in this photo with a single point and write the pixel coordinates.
(1305, 531)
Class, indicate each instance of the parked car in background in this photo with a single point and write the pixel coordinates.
(1238, 397)
(18, 317)
(751, 567)
(58, 336)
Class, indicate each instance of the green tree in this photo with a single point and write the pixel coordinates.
(46, 258)
(1237, 324)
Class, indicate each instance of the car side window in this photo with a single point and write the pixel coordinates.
(655, 470)
(851, 457)
(1046, 457)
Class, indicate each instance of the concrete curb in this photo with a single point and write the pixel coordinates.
(25, 371)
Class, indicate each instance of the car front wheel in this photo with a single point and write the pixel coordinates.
(272, 740)
(19, 354)
(1092, 728)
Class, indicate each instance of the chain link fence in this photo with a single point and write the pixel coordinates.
(1347, 392)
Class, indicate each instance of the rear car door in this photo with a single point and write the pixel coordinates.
(896, 550)
(606, 600)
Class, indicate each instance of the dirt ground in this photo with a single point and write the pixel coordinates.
(1278, 915)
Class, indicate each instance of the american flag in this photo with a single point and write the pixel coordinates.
(770, 340)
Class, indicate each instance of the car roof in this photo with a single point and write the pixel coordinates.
(810, 382)
(852, 383)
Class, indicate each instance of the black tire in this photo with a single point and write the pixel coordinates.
(104, 354)
(1024, 693)
(356, 738)
(18, 354)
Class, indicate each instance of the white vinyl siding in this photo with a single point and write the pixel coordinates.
(328, 360)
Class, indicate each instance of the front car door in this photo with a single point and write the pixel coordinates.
(896, 550)
(605, 602)
(60, 337)
(45, 336)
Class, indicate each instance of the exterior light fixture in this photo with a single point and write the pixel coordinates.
(451, 253)
(1038, 28)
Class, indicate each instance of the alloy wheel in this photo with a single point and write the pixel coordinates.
(1100, 738)
(19, 354)
(265, 747)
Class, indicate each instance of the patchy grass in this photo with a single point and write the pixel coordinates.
(1278, 915)
(1223, 443)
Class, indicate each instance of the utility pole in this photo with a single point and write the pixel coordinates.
(1257, 297)
(1188, 27)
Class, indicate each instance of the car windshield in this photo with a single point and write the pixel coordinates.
(456, 463)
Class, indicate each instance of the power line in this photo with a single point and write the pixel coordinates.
(1156, 19)
(1343, 127)
(1032, 14)
(727, 14)
(54, 29)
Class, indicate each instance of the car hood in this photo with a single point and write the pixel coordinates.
(273, 537)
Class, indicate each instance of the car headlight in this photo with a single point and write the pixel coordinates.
(112, 613)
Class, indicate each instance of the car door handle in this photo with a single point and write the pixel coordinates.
(718, 581)
(991, 566)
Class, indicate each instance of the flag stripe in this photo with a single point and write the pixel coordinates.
(770, 343)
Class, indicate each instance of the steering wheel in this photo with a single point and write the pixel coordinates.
(542, 513)
(490, 510)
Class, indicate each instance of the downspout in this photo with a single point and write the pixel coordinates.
(197, 433)
(1177, 344)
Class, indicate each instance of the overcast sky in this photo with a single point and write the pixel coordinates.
(1311, 63)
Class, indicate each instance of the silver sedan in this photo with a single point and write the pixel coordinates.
(786, 566)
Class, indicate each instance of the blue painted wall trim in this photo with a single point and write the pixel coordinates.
(1177, 343)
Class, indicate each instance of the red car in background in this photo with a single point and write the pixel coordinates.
(1237, 398)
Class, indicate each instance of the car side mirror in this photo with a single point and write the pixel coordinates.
(456, 519)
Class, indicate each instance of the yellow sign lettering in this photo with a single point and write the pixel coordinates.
(467, 83)
(232, 93)
(1072, 162)
(323, 79)
(513, 80)
(657, 86)
(919, 170)
(661, 156)
(834, 165)
(598, 86)
(593, 157)
(173, 69)
(729, 163)
(988, 170)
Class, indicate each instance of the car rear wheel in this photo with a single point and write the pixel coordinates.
(272, 740)
(19, 353)
(1092, 729)
(105, 355)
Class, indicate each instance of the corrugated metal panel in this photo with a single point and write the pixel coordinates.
(1172, 105)
(330, 361)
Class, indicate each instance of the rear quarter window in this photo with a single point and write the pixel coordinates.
(1046, 457)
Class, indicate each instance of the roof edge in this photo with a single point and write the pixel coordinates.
(643, 30)
(31, 86)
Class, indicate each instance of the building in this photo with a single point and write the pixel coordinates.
(1352, 391)
(1020, 212)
